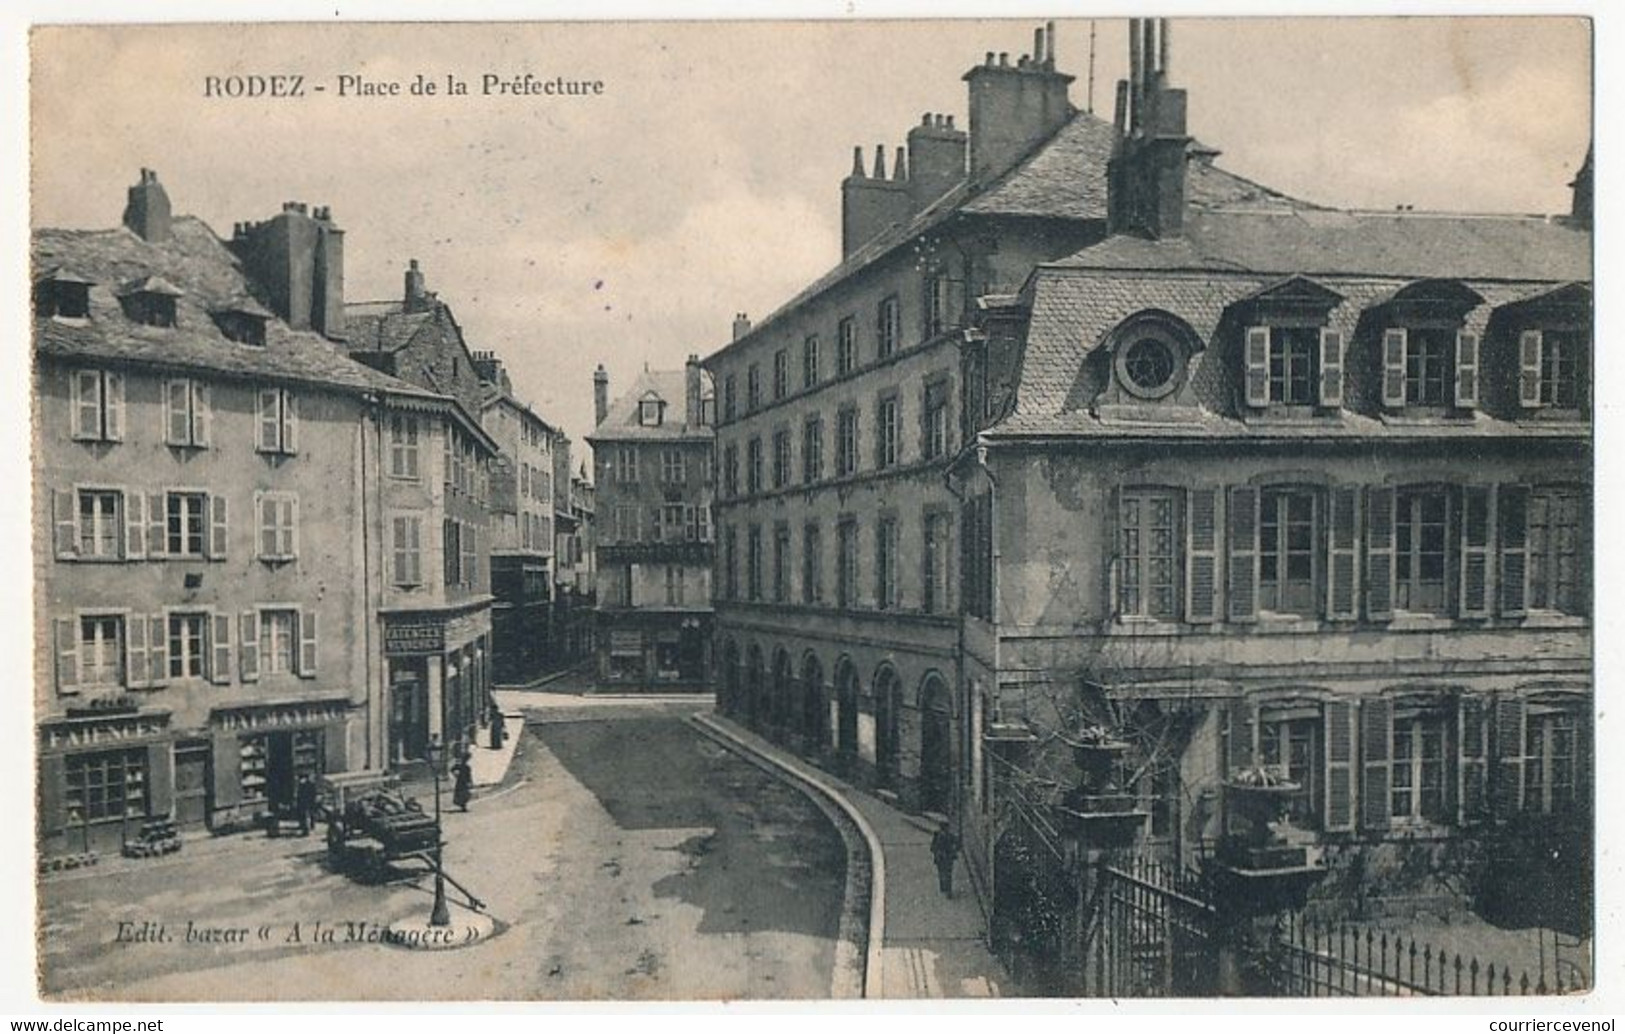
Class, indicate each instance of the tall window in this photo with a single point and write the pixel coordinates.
(1286, 551)
(278, 421)
(403, 446)
(100, 523)
(846, 346)
(186, 518)
(846, 442)
(674, 585)
(1148, 566)
(846, 564)
(1430, 366)
(101, 651)
(109, 784)
(451, 537)
(1291, 747)
(187, 646)
(186, 413)
(1551, 760)
(753, 562)
(1561, 352)
(674, 522)
(781, 373)
(934, 441)
(886, 563)
(812, 449)
(887, 329)
(809, 361)
(886, 421)
(934, 580)
(753, 466)
(729, 397)
(97, 405)
(407, 550)
(781, 458)
(673, 468)
(1555, 531)
(627, 460)
(1420, 550)
(781, 563)
(730, 470)
(730, 562)
(278, 531)
(1417, 787)
(753, 388)
(1294, 365)
(812, 564)
(279, 641)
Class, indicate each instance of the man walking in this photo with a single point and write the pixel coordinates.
(944, 850)
(304, 804)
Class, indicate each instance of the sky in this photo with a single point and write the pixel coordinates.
(628, 227)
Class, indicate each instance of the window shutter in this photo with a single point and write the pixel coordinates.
(157, 649)
(1474, 594)
(307, 644)
(1467, 370)
(177, 420)
(1379, 554)
(136, 664)
(1529, 349)
(1376, 727)
(1342, 554)
(1202, 556)
(220, 646)
(1242, 565)
(157, 526)
(1339, 719)
(217, 527)
(135, 525)
(83, 420)
(290, 422)
(248, 652)
(291, 523)
(1471, 763)
(1331, 368)
(264, 526)
(65, 519)
(1240, 718)
(1394, 345)
(1510, 715)
(1512, 511)
(202, 415)
(67, 655)
(1258, 366)
(270, 420)
(113, 385)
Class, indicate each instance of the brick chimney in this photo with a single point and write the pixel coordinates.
(146, 212)
(297, 259)
(870, 204)
(1146, 175)
(600, 394)
(1015, 106)
(936, 158)
(416, 297)
(1580, 205)
(489, 368)
(691, 392)
(741, 325)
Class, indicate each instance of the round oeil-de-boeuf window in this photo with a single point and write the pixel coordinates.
(1148, 366)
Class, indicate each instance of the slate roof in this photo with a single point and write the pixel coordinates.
(210, 279)
(620, 423)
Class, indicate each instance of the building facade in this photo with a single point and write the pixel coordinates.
(653, 549)
(575, 587)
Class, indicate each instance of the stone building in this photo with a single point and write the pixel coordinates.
(575, 587)
(652, 557)
(838, 605)
(1291, 488)
(203, 547)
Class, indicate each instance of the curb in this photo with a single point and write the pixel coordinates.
(872, 984)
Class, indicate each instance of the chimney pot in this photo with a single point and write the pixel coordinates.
(1049, 44)
(1004, 59)
(146, 208)
(857, 162)
(925, 120)
(899, 169)
(1038, 45)
(989, 61)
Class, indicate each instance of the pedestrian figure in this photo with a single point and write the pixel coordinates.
(304, 804)
(499, 728)
(944, 849)
(463, 783)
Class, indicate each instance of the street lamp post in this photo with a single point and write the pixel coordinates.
(439, 915)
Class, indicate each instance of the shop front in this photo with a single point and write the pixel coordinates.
(260, 753)
(439, 676)
(102, 773)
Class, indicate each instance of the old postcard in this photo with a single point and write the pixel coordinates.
(812, 509)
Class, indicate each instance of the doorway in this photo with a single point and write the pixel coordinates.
(936, 747)
(194, 781)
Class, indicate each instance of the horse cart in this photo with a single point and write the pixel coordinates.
(372, 826)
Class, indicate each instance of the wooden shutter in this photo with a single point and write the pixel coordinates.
(269, 421)
(1258, 366)
(202, 415)
(135, 525)
(1379, 554)
(84, 421)
(1342, 553)
(65, 521)
(1473, 598)
(248, 651)
(138, 674)
(177, 419)
(1242, 563)
(1339, 719)
(1529, 349)
(1471, 762)
(1395, 342)
(1507, 791)
(1467, 370)
(307, 644)
(220, 649)
(1202, 556)
(157, 526)
(113, 388)
(1241, 720)
(157, 649)
(290, 524)
(1376, 728)
(218, 539)
(1512, 513)
(290, 422)
(264, 522)
(67, 655)
(1331, 368)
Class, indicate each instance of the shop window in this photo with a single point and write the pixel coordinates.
(109, 784)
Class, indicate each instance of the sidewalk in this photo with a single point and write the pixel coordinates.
(490, 766)
(929, 946)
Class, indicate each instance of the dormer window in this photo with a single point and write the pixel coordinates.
(1561, 353)
(651, 410)
(1292, 358)
(1429, 359)
(1149, 355)
(1554, 348)
(151, 301)
(243, 322)
(62, 293)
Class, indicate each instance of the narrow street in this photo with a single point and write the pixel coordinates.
(624, 856)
